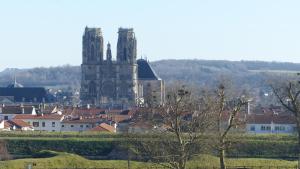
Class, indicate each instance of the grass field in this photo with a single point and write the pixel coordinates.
(66, 160)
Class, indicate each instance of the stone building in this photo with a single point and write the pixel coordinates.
(151, 86)
(108, 81)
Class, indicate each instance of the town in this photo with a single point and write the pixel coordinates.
(149, 85)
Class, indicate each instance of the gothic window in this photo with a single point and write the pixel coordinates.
(92, 52)
(92, 88)
(125, 54)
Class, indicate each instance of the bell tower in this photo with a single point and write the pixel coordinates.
(126, 47)
(92, 57)
(127, 90)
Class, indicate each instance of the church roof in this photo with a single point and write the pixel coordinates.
(145, 71)
(27, 93)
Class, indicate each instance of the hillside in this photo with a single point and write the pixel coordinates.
(198, 72)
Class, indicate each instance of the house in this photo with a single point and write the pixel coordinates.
(15, 124)
(270, 123)
(103, 127)
(85, 112)
(80, 124)
(9, 112)
(42, 122)
(119, 115)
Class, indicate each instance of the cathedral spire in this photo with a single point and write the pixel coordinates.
(108, 52)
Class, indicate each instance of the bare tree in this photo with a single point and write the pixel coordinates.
(177, 128)
(227, 111)
(288, 93)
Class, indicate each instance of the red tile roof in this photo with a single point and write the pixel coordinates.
(85, 120)
(103, 127)
(19, 123)
(7, 124)
(16, 122)
(269, 118)
(41, 117)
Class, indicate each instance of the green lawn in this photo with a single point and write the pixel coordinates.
(66, 160)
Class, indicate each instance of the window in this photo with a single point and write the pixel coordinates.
(81, 126)
(62, 125)
(265, 128)
(87, 126)
(252, 128)
(35, 124)
(295, 129)
(92, 88)
(279, 128)
(53, 124)
(72, 125)
(5, 117)
(92, 52)
(43, 124)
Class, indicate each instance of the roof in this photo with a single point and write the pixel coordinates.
(30, 94)
(269, 118)
(145, 71)
(86, 120)
(15, 85)
(17, 109)
(39, 117)
(103, 127)
(7, 124)
(92, 112)
(16, 122)
(19, 123)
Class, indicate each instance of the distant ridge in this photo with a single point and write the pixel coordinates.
(194, 71)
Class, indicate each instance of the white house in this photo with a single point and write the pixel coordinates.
(80, 124)
(270, 123)
(47, 122)
(16, 124)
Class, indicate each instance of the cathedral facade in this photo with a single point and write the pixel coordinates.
(104, 80)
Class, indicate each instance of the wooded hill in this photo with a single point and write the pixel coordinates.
(197, 72)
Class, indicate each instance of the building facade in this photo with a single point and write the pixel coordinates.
(106, 80)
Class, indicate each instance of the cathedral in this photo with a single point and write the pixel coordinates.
(107, 81)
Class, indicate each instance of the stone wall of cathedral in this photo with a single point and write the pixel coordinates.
(106, 81)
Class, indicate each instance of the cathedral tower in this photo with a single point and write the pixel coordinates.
(105, 81)
(127, 69)
(92, 56)
(126, 47)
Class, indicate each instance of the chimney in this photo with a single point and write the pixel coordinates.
(249, 106)
(23, 109)
(33, 111)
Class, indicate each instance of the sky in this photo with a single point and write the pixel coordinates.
(43, 33)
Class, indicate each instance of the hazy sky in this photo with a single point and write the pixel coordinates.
(38, 33)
